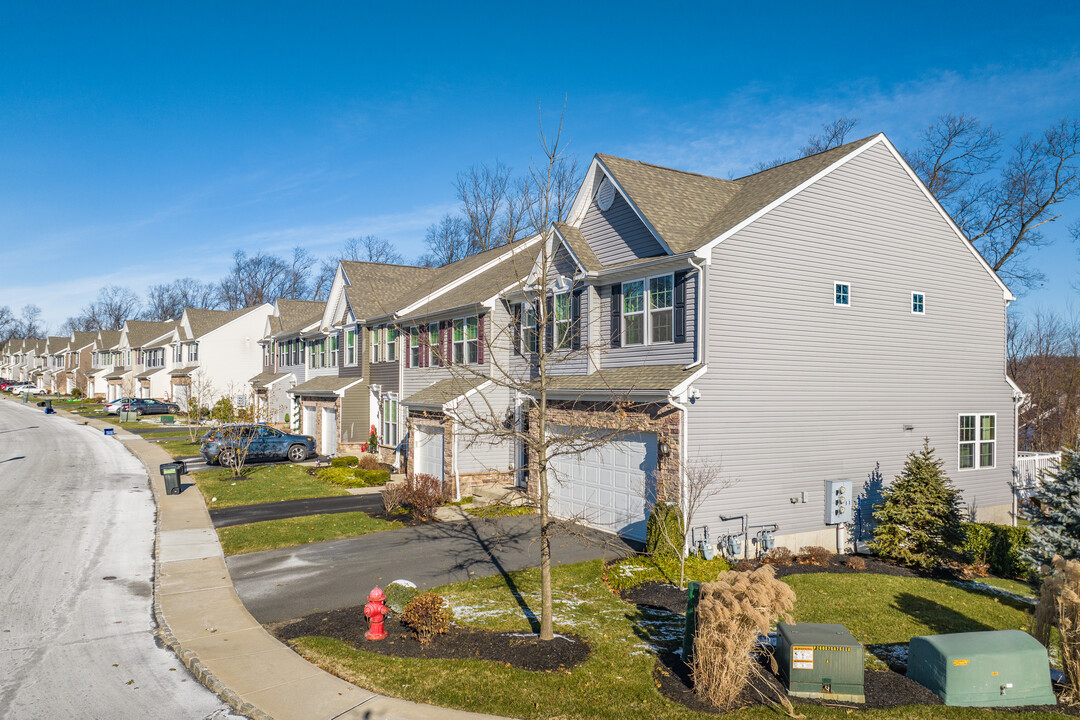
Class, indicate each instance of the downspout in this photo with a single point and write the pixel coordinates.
(699, 303)
(454, 461)
(682, 465)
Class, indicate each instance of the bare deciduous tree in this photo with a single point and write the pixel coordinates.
(252, 280)
(832, 135)
(168, 301)
(8, 323)
(1044, 360)
(447, 242)
(373, 249)
(29, 323)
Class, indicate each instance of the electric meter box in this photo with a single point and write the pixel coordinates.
(819, 660)
(838, 502)
(982, 669)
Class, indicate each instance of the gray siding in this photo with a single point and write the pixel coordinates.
(563, 264)
(385, 375)
(355, 423)
(353, 371)
(299, 372)
(799, 391)
(479, 451)
(574, 362)
(618, 235)
(663, 354)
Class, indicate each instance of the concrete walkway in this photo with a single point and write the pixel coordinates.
(202, 619)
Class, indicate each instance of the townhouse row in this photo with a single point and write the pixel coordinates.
(792, 334)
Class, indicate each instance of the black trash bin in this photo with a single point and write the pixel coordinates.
(171, 472)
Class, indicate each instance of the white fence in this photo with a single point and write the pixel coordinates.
(1030, 469)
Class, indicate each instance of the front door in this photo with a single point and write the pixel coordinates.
(309, 420)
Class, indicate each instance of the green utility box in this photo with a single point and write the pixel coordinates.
(820, 660)
(693, 594)
(982, 669)
(128, 416)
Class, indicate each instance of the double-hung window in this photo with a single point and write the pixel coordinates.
(466, 341)
(390, 420)
(350, 347)
(391, 344)
(978, 441)
(633, 313)
(530, 338)
(414, 347)
(561, 321)
(434, 351)
(662, 309)
(376, 344)
(459, 342)
(332, 359)
(193, 352)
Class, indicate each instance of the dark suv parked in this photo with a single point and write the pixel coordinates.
(148, 406)
(254, 443)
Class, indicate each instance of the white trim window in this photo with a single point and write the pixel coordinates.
(918, 303)
(434, 349)
(376, 344)
(978, 441)
(390, 420)
(193, 352)
(350, 347)
(842, 294)
(662, 309)
(332, 358)
(561, 320)
(414, 347)
(391, 343)
(466, 341)
(530, 338)
(633, 313)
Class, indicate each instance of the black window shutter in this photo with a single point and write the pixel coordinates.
(549, 324)
(680, 306)
(575, 319)
(616, 315)
(515, 333)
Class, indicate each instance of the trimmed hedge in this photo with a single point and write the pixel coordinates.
(665, 518)
(354, 477)
(1000, 546)
(345, 461)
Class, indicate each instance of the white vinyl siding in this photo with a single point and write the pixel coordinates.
(390, 420)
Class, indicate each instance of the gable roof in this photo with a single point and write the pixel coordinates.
(580, 249)
(203, 321)
(80, 339)
(109, 338)
(377, 289)
(688, 210)
(141, 332)
(295, 315)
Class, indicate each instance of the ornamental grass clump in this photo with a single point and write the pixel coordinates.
(732, 613)
(428, 614)
(1059, 606)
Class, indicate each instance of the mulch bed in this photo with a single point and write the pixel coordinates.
(883, 688)
(520, 650)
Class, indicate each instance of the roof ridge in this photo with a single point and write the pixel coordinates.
(805, 157)
(665, 167)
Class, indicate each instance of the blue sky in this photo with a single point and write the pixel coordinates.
(145, 141)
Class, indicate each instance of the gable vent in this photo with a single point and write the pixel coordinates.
(605, 195)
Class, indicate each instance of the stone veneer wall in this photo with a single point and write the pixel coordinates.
(319, 403)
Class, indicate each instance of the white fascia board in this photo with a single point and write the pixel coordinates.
(614, 394)
(1006, 293)
(634, 207)
(336, 296)
(584, 193)
(341, 391)
(236, 319)
(275, 382)
(1018, 394)
(705, 251)
(680, 389)
(468, 276)
(452, 404)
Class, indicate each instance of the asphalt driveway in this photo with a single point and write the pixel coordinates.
(278, 585)
(244, 514)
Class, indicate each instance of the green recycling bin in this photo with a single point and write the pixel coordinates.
(172, 472)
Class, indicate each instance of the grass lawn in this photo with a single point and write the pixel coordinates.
(616, 681)
(261, 484)
(287, 532)
(179, 448)
(640, 569)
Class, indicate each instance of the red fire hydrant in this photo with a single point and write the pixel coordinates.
(374, 612)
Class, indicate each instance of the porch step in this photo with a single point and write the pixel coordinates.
(499, 495)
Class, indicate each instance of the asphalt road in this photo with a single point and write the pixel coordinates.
(224, 517)
(278, 585)
(76, 624)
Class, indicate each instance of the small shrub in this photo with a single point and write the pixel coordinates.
(664, 531)
(223, 410)
(816, 555)
(77, 393)
(367, 461)
(999, 547)
(731, 614)
(398, 596)
(854, 562)
(1059, 607)
(372, 478)
(428, 615)
(393, 496)
(336, 475)
(345, 461)
(779, 556)
(423, 494)
(350, 477)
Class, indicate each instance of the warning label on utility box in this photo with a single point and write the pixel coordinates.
(802, 658)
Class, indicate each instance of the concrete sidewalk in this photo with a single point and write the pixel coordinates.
(201, 618)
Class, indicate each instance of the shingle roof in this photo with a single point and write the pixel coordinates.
(648, 378)
(81, 339)
(444, 391)
(689, 210)
(117, 373)
(377, 289)
(326, 385)
(56, 343)
(294, 315)
(141, 332)
(585, 255)
(147, 373)
(203, 321)
(109, 338)
(264, 379)
(181, 372)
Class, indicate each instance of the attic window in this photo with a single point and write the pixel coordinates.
(605, 195)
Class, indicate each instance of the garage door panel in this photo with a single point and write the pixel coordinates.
(430, 452)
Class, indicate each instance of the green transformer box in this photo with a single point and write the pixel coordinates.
(982, 669)
(819, 660)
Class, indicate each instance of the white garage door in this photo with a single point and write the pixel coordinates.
(429, 452)
(309, 420)
(329, 431)
(605, 487)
